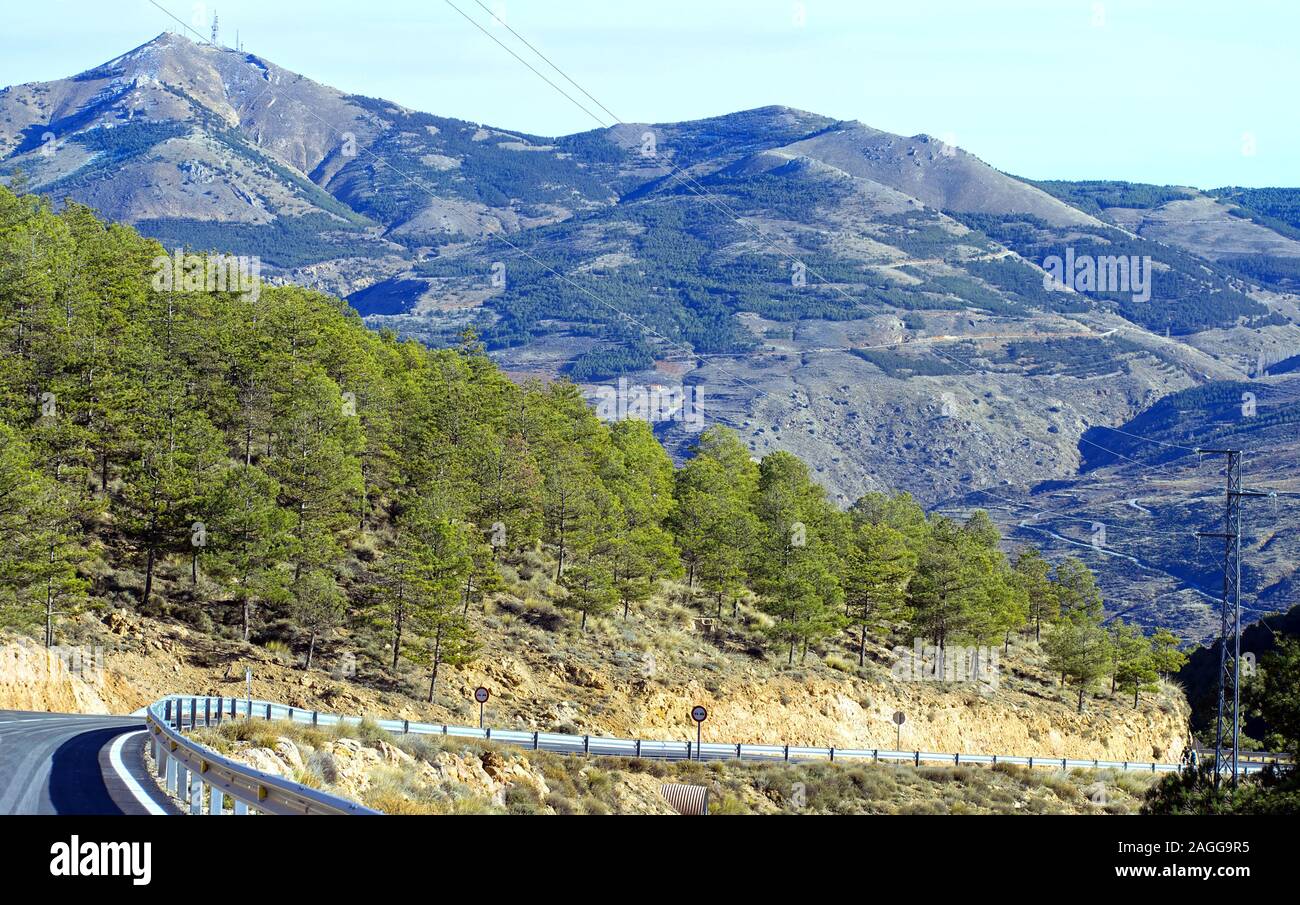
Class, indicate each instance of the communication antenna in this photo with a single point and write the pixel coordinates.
(214, 28)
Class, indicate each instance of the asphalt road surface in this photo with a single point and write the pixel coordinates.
(53, 763)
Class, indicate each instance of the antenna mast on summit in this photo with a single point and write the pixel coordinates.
(214, 28)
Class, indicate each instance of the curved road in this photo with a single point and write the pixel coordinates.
(53, 763)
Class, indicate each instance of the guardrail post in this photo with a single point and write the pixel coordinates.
(1031, 762)
(315, 717)
(172, 766)
(167, 710)
(1063, 766)
(216, 801)
(1153, 768)
(207, 711)
(196, 794)
(159, 758)
(875, 755)
(739, 755)
(240, 808)
(291, 714)
(638, 747)
(956, 758)
(194, 713)
(537, 741)
(832, 754)
(406, 727)
(586, 745)
(688, 751)
(787, 753)
(268, 712)
(488, 732)
(995, 760)
(1125, 765)
(916, 760)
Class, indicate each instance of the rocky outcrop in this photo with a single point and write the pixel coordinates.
(61, 680)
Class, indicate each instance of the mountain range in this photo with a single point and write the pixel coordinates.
(873, 302)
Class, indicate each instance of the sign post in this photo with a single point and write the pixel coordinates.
(899, 720)
(481, 695)
(699, 714)
(248, 680)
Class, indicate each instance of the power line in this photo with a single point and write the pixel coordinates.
(688, 181)
(696, 188)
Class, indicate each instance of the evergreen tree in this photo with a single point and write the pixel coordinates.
(1079, 649)
(796, 564)
(1165, 655)
(249, 538)
(1033, 576)
(877, 570)
(319, 607)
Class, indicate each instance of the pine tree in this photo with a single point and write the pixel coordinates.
(1079, 649)
(1166, 656)
(319, 607)
(420, 586)
(1033, 576)
(796, 560)
(249, 538)
(1273, 695)
(589, 589)
(1133, 662)
(1076, 590)
(877, 570)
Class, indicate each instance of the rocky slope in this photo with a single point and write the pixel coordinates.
(871, 302)
(582, 683)
(427, 774)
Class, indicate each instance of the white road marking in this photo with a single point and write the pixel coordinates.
(115, 758)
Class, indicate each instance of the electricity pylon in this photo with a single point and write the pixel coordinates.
(1227, 727)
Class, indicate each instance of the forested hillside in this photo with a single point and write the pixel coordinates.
(261, 465)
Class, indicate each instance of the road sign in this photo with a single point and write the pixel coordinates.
(899, 717)
(699, 714)
(481, 694)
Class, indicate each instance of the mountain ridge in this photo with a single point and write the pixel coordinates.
(872, 302)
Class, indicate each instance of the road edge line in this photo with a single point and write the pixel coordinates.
(133, 786)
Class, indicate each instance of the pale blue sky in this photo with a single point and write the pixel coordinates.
(1147, 90)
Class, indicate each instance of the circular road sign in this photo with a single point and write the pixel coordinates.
(481, 694)
(699, 714)
(899, 718)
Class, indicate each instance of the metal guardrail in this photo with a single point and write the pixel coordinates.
(253, 790)
(189, 769)
(1263, 757)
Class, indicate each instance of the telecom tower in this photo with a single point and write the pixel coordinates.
(214, 28)
(1227, 727)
